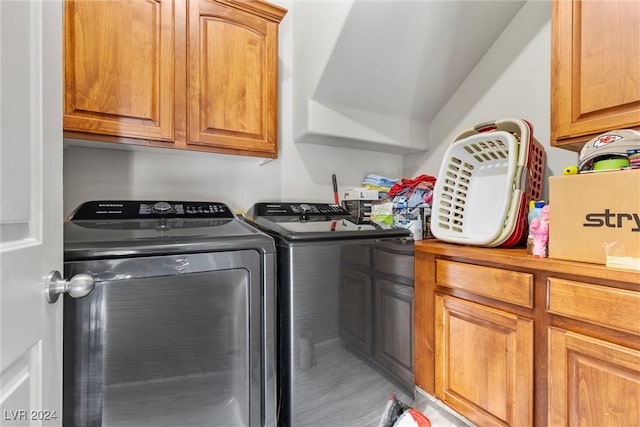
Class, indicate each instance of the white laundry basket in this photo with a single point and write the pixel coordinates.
(495, 200)
(474, 189)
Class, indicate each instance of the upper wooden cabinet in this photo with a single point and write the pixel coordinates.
(195, 75)
(595, 61)
(233, 58)
(119, 68)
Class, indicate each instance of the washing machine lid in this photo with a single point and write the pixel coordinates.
(314, 221)
(109, 228)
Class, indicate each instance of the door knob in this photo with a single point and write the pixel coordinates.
(78, 286)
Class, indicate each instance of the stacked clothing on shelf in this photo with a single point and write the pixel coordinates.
(358, 201)
(378, 183)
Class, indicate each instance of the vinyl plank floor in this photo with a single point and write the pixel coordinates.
(339, 390)
(438, 413)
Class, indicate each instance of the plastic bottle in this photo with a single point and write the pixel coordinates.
(540, 229)
(535, 211)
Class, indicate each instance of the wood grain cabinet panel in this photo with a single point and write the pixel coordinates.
(376, 307)
(592, 382)
(394, 328)
(484, 362)
(567, 356)
(601, 305)
(393, 263)
(232, 86)
(595, 58)
(119, 69)
(356, 309)
(503, 285)
(187, 74)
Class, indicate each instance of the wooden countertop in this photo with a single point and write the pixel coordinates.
(518, 257)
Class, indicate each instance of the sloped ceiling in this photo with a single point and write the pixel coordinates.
(373, 74)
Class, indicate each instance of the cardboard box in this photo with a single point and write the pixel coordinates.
(360, 194)
(594, 215)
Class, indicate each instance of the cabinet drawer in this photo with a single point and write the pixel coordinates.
(394, 263)
(356, 255)
(503, 285)
(601, 305)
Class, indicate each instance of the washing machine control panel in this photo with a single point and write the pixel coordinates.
(297, 209)
(129, 209)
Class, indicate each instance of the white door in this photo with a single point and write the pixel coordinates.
(30, 211)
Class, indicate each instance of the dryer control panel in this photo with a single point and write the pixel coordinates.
(130, 209)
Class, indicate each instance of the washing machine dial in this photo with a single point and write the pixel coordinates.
(162, 207)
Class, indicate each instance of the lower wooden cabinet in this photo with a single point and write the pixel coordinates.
(394, 328)
(484, 362)
(508, 339)
(376, 307)
(592, 382)
(356, 309)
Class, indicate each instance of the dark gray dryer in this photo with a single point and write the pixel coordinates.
(179, 329)
(345, 301)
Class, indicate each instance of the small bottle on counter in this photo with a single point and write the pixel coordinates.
(540, 229)
(535, 208)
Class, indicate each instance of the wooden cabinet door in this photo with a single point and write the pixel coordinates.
(232, 85)
(484, 362)
(595, 82)
(356, 310)
(119, 68)
(592, 382)
(394, 329)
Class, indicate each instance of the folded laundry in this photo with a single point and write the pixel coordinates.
(378, 188)
(378, 182)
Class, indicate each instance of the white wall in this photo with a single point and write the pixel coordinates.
(302, 171)
(511, 80)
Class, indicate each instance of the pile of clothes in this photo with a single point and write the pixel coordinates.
(417, 192)
(403, 203)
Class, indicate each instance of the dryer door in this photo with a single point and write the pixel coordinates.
(165, 341)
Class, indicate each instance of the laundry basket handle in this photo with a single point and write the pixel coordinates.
(486, 126)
